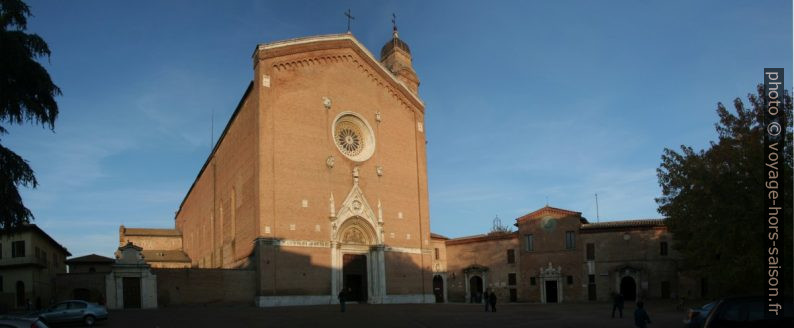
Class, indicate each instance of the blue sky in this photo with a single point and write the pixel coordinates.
(524, 100)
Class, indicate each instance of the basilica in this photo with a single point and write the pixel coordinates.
(318, 183)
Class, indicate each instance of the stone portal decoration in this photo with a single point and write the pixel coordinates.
(131, 269)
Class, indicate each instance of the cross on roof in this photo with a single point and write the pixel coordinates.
(349, 17)
(394, 21)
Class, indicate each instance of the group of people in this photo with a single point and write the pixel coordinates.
(490, 300)
(641, 318)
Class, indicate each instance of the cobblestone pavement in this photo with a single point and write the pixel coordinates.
(404, 315)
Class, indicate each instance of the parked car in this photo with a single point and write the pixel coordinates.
(20, 322)
(695, 317)
(74, 311)
(747, 311)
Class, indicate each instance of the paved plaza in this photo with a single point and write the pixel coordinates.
(404, 315)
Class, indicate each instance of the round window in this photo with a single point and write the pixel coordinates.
(353, 137)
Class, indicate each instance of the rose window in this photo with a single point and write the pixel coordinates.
(353, 137)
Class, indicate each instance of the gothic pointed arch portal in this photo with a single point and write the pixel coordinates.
(357, 256)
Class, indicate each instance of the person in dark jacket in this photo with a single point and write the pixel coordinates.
(492, 301)
(617, 303)
(342, 298)
(641, 318)
(485, 298)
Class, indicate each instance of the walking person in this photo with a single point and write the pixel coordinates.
(342, 299)
(617, 303)
(485, 297)
(492, 301)
(641, 318)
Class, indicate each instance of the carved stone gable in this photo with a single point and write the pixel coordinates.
(356, 205)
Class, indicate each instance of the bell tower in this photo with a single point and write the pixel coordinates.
(396, 57)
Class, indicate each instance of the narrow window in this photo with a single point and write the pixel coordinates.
(511, 279)
(437, 256)
(570, 242)
(663, 248)
(511, 256)
(530, 241)
(590, 251)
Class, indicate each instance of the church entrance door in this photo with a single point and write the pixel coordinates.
(475, 286)
(438, 288)
(628, 288)
(551, 291)
(354, 271)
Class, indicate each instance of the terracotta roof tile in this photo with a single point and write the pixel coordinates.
(164, 256)
(91, 258)
(624, 225)
(152, 232)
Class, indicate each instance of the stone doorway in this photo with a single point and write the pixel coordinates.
(551, 291)
(354, 271)
(438, 288)
(628, 287)
(475, 289)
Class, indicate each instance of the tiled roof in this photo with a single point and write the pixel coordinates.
(35, 228)
(91, 258)
(546, 210)
(164, 256)
(482, 237)
(624, 225)
(151, 232)
(437, 236)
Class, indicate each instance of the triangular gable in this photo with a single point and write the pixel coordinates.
(547, 211)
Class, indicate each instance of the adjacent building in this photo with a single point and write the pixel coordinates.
(556, 256)
(29, 261)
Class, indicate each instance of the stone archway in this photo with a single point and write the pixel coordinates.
(357, 258)
(476, 278)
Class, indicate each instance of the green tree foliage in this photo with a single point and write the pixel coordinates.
(714, 199)
(27, 94)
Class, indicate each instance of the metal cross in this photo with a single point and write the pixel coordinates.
(394, 21)
(349, 17)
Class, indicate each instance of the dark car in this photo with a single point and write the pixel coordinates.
(747, 311)
(74, 311)
(21, 322)
(695, 317)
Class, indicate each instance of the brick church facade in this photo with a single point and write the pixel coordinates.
(318, 184)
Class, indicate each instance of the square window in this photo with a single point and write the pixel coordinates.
(511, 256)
(570, 280)
(18, 248)
(663, 248)
(511, 279)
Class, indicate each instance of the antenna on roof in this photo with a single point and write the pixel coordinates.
(598, 218)
(212, 130)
